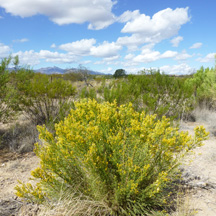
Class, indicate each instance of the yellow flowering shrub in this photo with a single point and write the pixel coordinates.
(110, 153)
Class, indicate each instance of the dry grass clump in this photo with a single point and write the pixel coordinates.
(19, 137)
(184, 206)
(71, 205)
(205, 116)
(65, 206)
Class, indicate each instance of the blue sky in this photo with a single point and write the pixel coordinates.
(174, 36)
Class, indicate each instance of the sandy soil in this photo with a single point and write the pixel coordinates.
(13, 167)
(199, 175)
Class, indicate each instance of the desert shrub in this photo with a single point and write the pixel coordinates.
(161, 94)
(153, 92)
(56, 76)
(43, 100)
(101, 87)
(204, 84)
(88, 92)
(73, 77)
(99, 78)
(80, 74)
(7, 92)
(111, 154)
(118, 91)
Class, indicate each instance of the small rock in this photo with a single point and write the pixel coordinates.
(201, 184)
(197, 177)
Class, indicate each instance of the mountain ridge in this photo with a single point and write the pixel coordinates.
(58, 70)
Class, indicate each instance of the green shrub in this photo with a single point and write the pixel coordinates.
(153, 92)
(161, 94)
(101, 87)
(73, 77)
(204, 84)
(88, 92)
(99, 78)
(42, 99)
(7, 91)
(103, 152)
(118, 91)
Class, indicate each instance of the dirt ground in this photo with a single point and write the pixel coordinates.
(199, 175)
(13, 167)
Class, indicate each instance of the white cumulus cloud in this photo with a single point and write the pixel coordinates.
(168, 19)
(86, 62)
(4, 50)
(128, 15)
(183, 56)
(98, 13)
(110, 59)
(180, 69)
(144, 29)
(53, 46)
(208, 58)
(169, 54)
(86, 47)
(81, 47)
(148, 55)
(33, 58)
(175, 41)
(28, 57)
(57, 57)
(129, 56)
(105, 50)
(196, 46)
(107, 70)
(21, 40)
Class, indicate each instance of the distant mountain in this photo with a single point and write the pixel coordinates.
(51, 70)
(57, 70)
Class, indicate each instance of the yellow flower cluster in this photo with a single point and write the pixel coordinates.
(30, 193)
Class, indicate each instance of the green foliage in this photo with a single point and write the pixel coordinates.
(99, 78)
(16, 62)
(204, 84)
(119, 73)
(88, 92)
(73, 77)
(42, 99)
(162, 94)
(100, 88)
(153, 92)
(118, 91)
(81, 74)
(6, 91)
(103, 152)
(4, 77)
